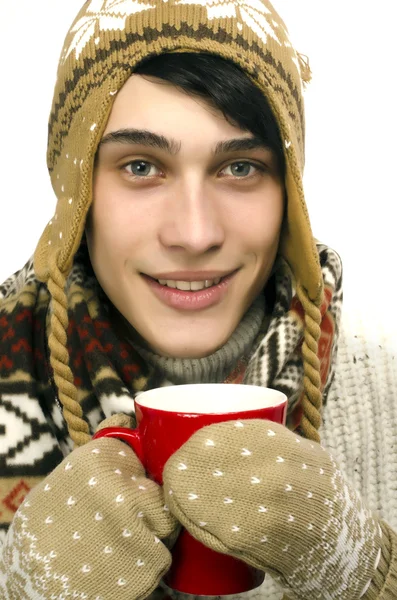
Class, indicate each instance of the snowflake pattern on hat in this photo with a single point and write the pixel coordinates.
(253, 13)
(111, 15)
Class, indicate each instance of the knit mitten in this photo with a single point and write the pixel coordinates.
(255, 490)
(92, 529)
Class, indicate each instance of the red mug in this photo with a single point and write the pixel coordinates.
(166, 418)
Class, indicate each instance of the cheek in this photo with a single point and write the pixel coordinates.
(107, 209)
(105, 239)
(114, 225)
(259, 222)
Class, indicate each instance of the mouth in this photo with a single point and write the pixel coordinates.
(190, 291)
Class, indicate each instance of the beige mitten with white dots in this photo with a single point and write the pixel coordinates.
(256, 491)
(92, 529)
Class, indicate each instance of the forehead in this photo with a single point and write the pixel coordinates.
(149, 103)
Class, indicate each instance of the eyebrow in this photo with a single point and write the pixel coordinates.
(144, 137)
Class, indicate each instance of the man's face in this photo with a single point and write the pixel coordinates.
(186, 218)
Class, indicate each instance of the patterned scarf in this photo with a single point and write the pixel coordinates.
(108, 370)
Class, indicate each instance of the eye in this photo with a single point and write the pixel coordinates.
(241, 169)
(141, 168)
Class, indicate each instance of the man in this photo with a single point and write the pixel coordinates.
(180, 251)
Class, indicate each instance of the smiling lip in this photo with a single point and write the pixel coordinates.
(190, 300)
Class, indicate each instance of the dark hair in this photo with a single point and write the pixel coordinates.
(224, 85)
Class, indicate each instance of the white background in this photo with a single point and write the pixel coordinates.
(351, 130)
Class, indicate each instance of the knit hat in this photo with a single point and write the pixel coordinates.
(105, 43)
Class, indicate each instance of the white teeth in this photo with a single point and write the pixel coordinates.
(188, 286)
(197, 285)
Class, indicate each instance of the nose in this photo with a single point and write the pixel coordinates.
(192, 219)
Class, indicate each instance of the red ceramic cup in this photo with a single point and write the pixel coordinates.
(166, 418)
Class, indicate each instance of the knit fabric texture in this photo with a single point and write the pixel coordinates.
(59, 355)
(108, 371)
(254, 490)
(225, 364)
(96, 523)
(106, 42)
(359, 423)
(359, 429)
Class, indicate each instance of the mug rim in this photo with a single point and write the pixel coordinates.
(245, 402)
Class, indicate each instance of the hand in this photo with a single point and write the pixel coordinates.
(91, 529)
(257, 491)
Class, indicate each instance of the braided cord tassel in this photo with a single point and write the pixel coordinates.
(59, 359)
(312, 398)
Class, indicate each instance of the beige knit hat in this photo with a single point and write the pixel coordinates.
(105, 43)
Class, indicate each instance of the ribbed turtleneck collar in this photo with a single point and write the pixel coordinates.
(217, 366)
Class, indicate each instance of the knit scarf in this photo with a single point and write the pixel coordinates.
(109, 370)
